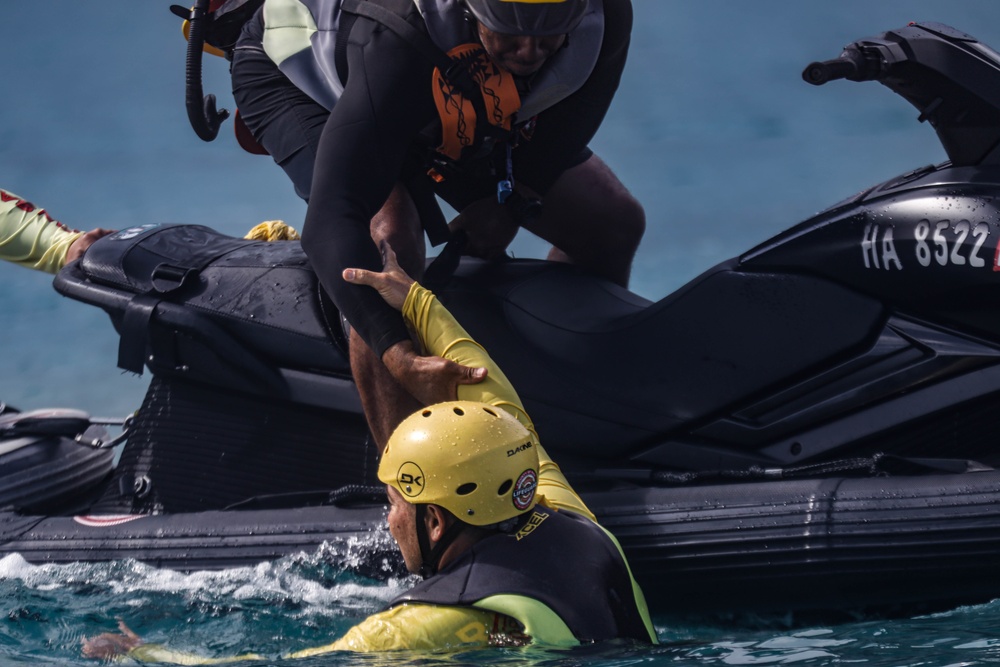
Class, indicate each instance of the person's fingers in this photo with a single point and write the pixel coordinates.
(89, 648)
(444, 378)
(471, 374)
(392, 287)
(363, 277)
(127, 631)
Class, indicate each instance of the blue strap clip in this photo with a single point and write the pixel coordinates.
(504, 190)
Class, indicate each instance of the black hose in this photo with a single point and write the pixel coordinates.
(200, 108)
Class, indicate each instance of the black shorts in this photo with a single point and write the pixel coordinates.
(282, 118)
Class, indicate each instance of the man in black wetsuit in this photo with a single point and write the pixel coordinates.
(374, 106)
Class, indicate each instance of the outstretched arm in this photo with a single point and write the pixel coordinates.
(31, 238)
(423, 627)
(111, 646)
(440, 334)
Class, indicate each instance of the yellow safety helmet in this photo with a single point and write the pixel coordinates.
(473, 459)
(535, 18)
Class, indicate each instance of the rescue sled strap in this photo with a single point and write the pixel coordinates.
(165, 279)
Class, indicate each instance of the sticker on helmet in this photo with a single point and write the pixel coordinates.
(410, 479)
(524, 489)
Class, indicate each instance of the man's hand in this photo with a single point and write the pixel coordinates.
(79, 246)
(110, 645)
(430, 380)
(489, 228)
(393, 284)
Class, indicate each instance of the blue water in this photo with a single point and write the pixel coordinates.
(305, 601)
(713, 130)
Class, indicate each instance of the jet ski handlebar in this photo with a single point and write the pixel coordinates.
(852, 65)
(952, 79)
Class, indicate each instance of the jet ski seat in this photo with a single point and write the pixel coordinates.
(259, 300)
(568, 340)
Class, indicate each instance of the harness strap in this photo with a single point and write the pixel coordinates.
(443, 267)
(135, 332)
(340, 48)
(429, 556)
(164, 279)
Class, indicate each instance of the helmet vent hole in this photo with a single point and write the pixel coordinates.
(466, 488)
(425, 413)
(505, 487)
(489, 412)
(458, 411)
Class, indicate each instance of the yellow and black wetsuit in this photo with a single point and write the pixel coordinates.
(429, 626)
(29, 237)
(423, 626)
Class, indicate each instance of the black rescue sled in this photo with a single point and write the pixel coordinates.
(811, 425)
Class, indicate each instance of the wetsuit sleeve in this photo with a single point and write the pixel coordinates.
(417, 627)
(563, 132)
(360, 157)
(404, 627)
(440, 334)
(158, 653)
(29, 237)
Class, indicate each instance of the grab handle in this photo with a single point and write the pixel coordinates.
(818, 73)
(859, 62)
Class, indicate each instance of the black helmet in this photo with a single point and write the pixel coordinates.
(536, 18)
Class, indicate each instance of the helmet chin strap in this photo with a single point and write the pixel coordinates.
(429, 556)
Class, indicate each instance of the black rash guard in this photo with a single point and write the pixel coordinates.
(367, 147)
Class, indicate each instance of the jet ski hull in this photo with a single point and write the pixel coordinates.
(826, 544)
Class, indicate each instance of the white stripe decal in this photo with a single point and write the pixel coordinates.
(104, 520)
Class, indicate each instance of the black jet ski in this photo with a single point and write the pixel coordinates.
(811, 425)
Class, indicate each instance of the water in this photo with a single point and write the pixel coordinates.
(713, 131)
(304, 601)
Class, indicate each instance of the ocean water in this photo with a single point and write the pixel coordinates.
(712, 129)
(306, 601)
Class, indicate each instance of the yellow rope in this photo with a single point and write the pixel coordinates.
(272, 230)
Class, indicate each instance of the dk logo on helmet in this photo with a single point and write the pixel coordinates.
(411, 479)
